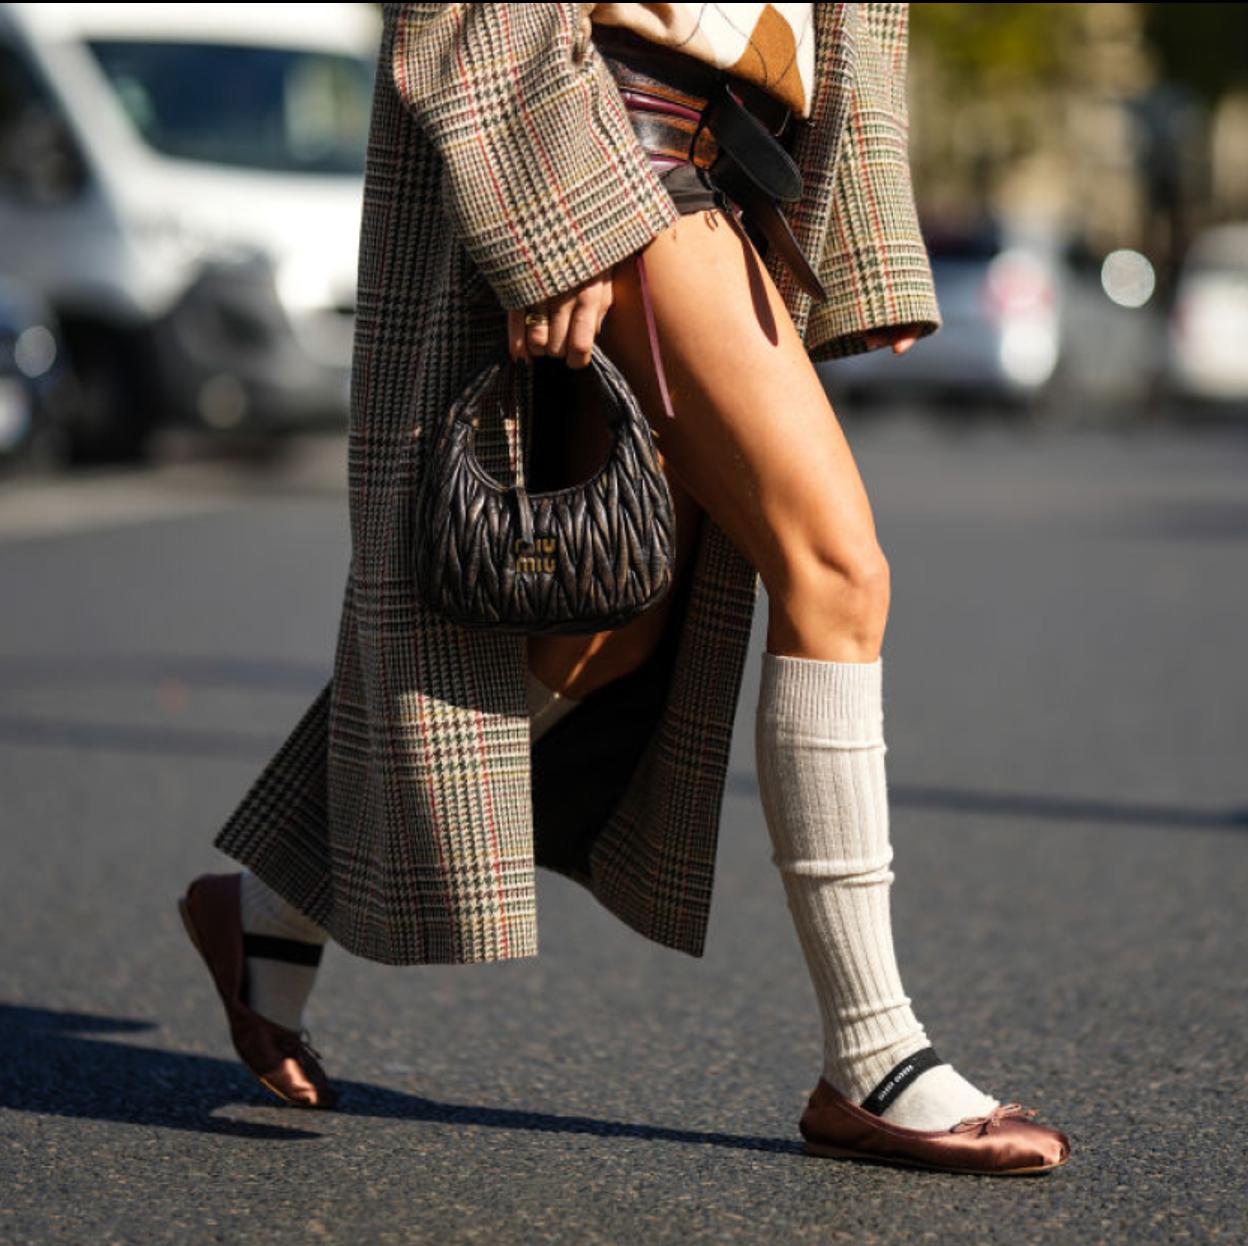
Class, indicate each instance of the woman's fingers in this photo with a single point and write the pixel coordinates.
(537, 334)
(900, 337)
(571, 326)
(560, 318)
(581, 333)
(586, 321)
(592, 304)
(604, 304)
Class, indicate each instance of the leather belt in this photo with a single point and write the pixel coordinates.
(686, 112)
(667, 73)
(671, 135)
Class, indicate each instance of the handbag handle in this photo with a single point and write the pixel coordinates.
(517, 370)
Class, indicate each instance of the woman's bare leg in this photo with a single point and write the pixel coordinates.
(755, 439)
(755, 444)
(758, 447)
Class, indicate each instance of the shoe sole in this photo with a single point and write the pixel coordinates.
(185, 913)
(831, 1152)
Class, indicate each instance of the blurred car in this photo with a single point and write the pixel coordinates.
(1208, 358)
(1000, 336)
(1031, 322)
(33, 383)
(183, 183)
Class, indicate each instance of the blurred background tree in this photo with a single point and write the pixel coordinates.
(1202, 46)
(1110, 125)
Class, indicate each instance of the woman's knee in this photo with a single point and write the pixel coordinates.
(829, 600)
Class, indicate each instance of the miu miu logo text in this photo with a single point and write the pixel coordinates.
(539, 556)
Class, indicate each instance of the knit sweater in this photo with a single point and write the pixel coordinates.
(771, 45)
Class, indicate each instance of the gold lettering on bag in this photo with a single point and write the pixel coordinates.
(540, 556)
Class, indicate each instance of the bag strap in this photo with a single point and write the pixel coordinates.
(744, 140)
(655, 354)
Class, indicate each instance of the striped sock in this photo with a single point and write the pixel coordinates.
(283, 950)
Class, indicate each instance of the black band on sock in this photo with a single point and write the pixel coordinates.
(898, 1078)
(292, 951)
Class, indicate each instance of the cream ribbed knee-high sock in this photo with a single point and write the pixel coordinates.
(820, 751)
(283, 950)
(283, 947)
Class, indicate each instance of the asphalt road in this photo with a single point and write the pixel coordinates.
(1067, 713)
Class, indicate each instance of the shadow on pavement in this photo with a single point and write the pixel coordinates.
(61, 1064)
(361, 1099)
(173, 675)
(56, 1064)
(161, 741)
(186, 740)
(1058, 808)
(77, 672)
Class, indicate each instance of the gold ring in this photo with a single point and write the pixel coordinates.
(536, 317)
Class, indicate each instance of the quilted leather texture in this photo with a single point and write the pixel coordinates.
(581, 559)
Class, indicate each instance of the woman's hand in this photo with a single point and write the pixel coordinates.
(571, 325)
(901, 337)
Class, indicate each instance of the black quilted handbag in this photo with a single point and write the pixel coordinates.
(581, 559)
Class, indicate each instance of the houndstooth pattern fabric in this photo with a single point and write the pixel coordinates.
(502, 169)
(888, 280)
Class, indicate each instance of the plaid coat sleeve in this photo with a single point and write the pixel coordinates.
(875, 265)
(543, 178)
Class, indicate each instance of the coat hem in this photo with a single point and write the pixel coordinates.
(269, 872)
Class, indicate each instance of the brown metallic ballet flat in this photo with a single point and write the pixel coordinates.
(1005, 1143)
(283, 1060)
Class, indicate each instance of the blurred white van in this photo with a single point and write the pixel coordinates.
(182, 183)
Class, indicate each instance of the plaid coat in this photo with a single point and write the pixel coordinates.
(406, 811)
